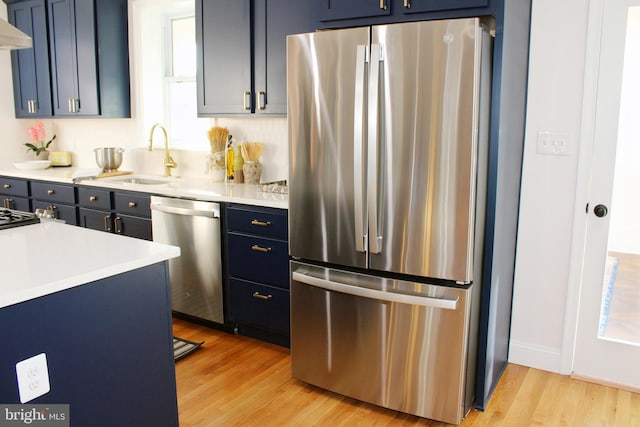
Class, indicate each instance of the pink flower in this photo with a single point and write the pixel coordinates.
(36, 132)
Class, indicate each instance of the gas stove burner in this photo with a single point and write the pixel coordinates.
(12, 218)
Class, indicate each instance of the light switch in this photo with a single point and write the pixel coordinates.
(553, 143)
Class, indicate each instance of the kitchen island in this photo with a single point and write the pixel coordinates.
(97, 305)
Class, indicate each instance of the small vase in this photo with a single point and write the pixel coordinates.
(44, 155)
(252, 172)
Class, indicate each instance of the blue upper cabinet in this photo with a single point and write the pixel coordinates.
(89, 58)
(73, 58)
(30, 67)
(331, 10)
(242, 53)
(337, 13)
(79, 63)
(274, 21)
(223, 37)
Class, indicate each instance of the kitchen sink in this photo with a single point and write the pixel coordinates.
(139, 180)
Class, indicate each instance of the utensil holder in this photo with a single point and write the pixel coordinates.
(252, 172)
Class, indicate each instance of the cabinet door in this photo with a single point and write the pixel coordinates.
(67, 213)
(73, 57)
(331, 10)
(30, 67)
(274, 20)
(96, 220)
(133, 226)
(16, 203)
(223, 34)
(419, 6)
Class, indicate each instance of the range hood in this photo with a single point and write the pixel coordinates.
(12, 38)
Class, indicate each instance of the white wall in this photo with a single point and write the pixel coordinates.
(556, 71)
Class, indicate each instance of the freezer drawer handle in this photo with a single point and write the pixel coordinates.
(262, 297)
(445, 303)
(261, 223)
(260, 249)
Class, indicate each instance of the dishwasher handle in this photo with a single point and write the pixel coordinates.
(214, 212)
(330, 285)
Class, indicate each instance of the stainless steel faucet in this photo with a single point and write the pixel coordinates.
(169, 163)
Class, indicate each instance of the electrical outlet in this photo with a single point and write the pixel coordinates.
(553, 143)
(33, 377)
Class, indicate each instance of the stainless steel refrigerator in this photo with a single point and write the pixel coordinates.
(388, 134)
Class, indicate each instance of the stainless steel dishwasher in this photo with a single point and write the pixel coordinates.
(196, 276)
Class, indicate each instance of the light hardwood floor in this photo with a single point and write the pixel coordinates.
(239, 381)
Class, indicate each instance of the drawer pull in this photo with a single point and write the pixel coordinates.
(92, 198)
(107, 223)
(262, 297)
(50, 192)
(260, 249)
(261, 223)
(132, 204)
(6, 186)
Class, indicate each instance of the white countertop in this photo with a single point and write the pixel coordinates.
(49, 257)
(193, 188)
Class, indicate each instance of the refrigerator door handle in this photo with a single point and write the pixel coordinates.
(375, 241)
(358, 153)
(330, 285)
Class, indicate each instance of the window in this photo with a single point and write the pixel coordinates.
(166, 71)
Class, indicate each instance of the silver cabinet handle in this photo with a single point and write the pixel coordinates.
(132, 204)
(6, 186)
(261, 223)
(372, 149)
(358, 153)
(262, 297)
(262, 104)
(92, 198)
(407, 4)
(445, 303)
(246, 97)
(50, 192)
(383, 5)
(74, 105)
(258, 248)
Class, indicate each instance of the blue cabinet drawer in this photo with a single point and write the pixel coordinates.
(258, 305)
(259, 221)
(14, 187)
(94, 198)
(132, 204)
(49, 192)
(261, 260)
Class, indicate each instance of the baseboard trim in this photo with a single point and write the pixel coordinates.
(605, 383)
(536, 356)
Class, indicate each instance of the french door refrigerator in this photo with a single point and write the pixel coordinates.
(388, 135)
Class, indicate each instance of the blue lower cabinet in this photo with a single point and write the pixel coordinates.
(257, 270)
(260, 260)
(259, 306)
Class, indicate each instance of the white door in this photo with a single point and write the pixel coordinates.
(608, 333)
